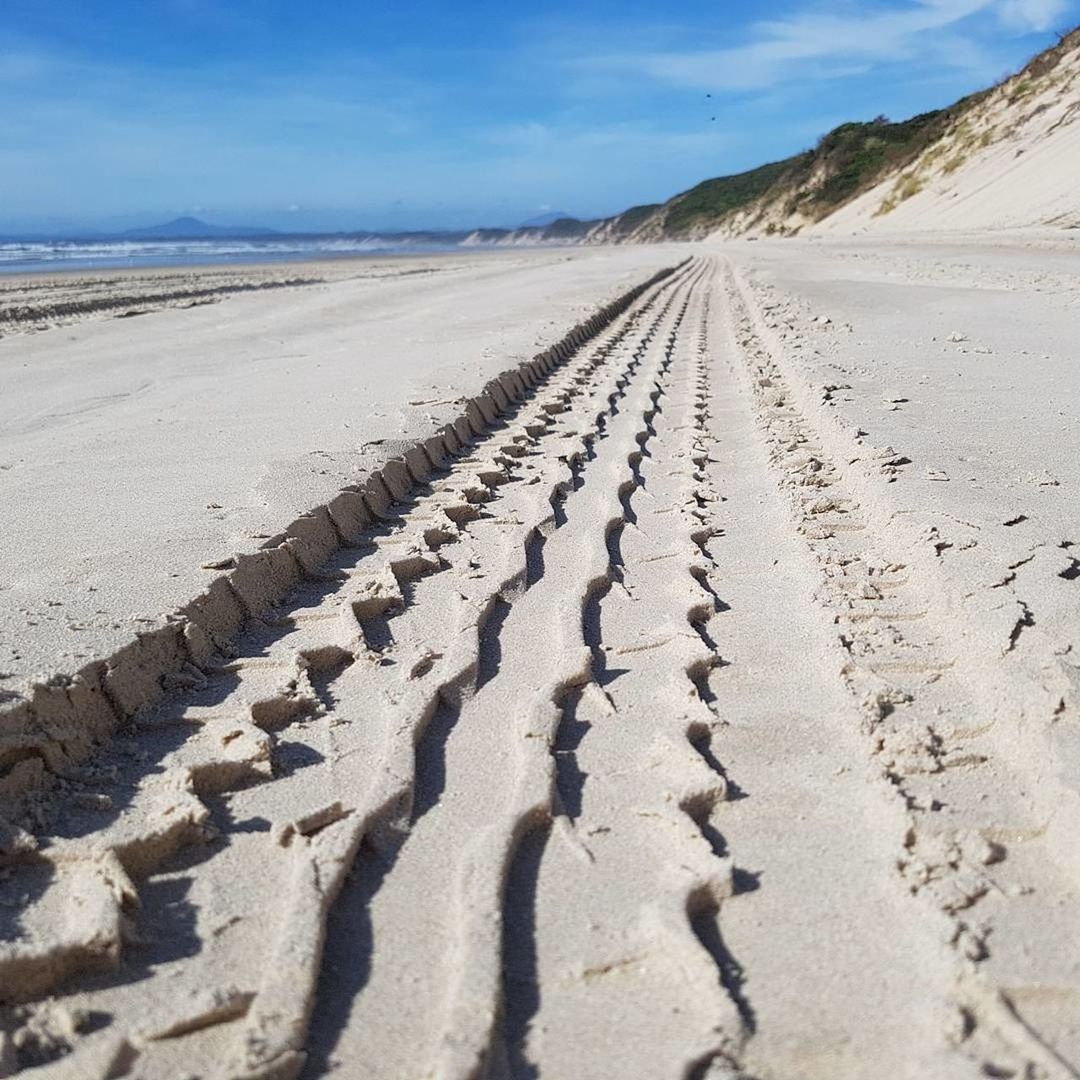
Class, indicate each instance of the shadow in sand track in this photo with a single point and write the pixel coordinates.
(521, 977)
(430, 779)
(490, 642)
(569, 777)
(706, 927)
(347, 959)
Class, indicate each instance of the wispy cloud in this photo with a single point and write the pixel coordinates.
(134, 133)
(1035, 14)
(836, 41)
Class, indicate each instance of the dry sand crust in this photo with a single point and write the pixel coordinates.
(700, 706)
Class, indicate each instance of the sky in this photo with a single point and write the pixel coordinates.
(366, 114)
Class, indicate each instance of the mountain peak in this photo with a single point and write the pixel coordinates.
(548, 218)
(191, 228)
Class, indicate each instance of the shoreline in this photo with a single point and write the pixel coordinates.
(1064, 238)
(36, 301)
(259, 260)
(320, 261)
(238, 263)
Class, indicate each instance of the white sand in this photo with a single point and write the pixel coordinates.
(709, 715)
(135, 451)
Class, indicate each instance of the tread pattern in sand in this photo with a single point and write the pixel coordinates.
(359, 701)
(975, 842)
(526, 780)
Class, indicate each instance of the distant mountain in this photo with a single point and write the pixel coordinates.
(546, 219)
(189, 228)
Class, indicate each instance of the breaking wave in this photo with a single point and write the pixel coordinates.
(33, 255)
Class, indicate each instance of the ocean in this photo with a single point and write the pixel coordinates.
(33, 256)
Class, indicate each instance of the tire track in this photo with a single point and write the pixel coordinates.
(446, 886)
(506, 550)
(328, 698)
(924, 734)
(644, 958)
(50, 725)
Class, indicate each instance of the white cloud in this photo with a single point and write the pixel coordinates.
(1035, 15)
(834, 41)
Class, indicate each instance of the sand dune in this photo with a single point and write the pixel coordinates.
(1008, 162)
(695, 705)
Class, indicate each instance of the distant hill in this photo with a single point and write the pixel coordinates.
(541, 220)
(561, 231)
(189, 228)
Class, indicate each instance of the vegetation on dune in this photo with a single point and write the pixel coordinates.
(566, 229)
(1047, 61)
(713, 199)
(850, 160)
(856, 155)
(846, 162)
(630, 219)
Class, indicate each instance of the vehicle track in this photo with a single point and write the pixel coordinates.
(621, 743)
(646, 928)
(332, 699)
(975, 847)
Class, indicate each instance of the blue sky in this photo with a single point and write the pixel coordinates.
(338, 115)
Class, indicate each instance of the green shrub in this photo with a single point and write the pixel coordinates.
(636, 216)
(713, 199)
(908, 186)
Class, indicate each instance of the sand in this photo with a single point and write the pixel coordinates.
(697, 704)
(154, 448)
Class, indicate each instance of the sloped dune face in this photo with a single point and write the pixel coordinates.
(1010, 161)
(1003, 158)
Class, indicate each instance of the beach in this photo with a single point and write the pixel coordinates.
(616, 661)
(154, 447)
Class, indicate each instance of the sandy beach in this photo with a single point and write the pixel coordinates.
(616, 662)
(154, 448)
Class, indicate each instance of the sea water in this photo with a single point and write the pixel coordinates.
(30, 256)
